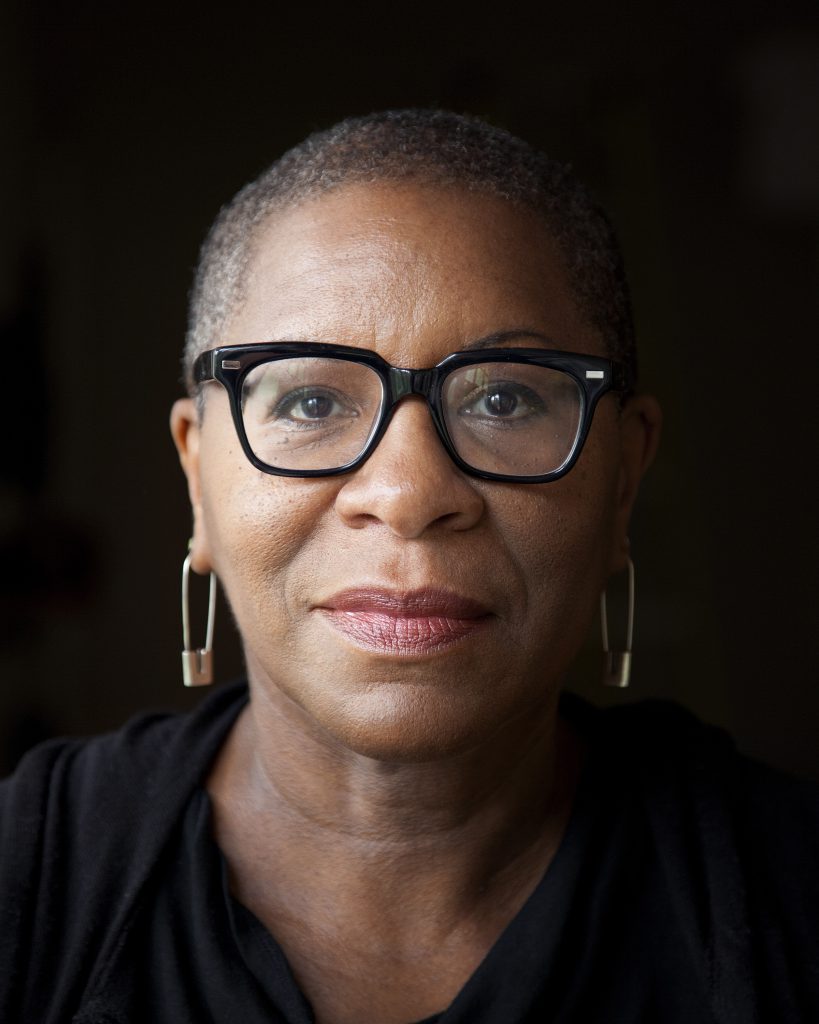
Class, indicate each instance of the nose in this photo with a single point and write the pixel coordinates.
(409, 484)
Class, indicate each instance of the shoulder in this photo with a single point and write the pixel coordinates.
(151, 753)
(663, 734)
(664, 750)
(82, 824)
(737, 843)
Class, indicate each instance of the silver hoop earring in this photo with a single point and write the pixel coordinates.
(197, 664)
(617, 668)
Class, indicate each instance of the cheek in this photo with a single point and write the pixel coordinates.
(561, 535)
(258, 527)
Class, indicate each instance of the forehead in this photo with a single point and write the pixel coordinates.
(413, 272)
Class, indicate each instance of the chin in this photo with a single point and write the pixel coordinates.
(409, 725)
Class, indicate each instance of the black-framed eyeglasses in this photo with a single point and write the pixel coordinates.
(307, 409)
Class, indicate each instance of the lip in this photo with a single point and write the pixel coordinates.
(404, 622)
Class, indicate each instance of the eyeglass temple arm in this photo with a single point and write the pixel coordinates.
(204, 367)
(622, 378)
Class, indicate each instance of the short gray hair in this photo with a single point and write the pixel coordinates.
(430, 147)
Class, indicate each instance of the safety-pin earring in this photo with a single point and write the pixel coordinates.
(617, 668)
(197, 664)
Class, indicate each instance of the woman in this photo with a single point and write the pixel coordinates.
(401, 820)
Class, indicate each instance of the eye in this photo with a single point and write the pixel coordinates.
(314, 405)
(502, 401)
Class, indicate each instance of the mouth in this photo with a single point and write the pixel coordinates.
(404, 622)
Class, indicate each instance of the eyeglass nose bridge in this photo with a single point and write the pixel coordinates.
(405, 382)
(402, 383)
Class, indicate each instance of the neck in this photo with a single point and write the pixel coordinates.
(465, 822)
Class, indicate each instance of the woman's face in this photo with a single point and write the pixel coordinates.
(406, 609)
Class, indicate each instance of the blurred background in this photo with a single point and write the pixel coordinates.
(123, 131)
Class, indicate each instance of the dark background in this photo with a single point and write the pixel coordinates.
(125, 128)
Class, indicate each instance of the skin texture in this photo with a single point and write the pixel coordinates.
(383, 811)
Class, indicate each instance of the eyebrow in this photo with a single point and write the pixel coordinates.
(494, 340)
(504, 337)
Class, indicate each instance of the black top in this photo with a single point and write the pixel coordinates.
(601, 909)
(684, 889)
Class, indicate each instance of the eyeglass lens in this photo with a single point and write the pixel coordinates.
(313, 413)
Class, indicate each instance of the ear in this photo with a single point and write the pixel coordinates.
(640, 423)
(186, 433)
